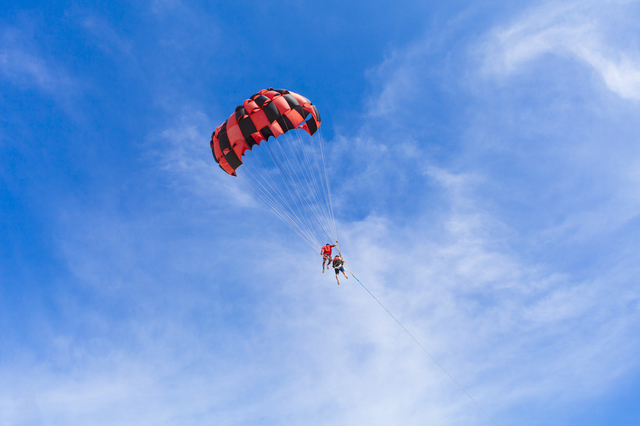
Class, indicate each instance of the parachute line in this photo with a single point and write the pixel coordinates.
(288, 175)
(292, 191)
(300, 197)
(326, 181)
(318, 193)
(313, 179)
(276, 201)
(308, 174)
(282, 215)
(303, 202)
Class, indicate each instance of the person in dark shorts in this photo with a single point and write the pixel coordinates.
(338, 266)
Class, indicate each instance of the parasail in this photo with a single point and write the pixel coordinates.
(273, 145)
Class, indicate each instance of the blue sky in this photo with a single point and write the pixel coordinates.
(485, 172)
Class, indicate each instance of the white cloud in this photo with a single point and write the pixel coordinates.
(195, 321)
(183, 151)
(581, 30)
(489, 253)
(515, 329)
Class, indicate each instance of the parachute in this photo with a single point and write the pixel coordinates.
(288, 172)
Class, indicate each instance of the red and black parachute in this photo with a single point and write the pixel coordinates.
(289, 172)
(270, 112)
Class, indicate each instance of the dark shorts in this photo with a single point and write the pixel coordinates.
(341, 268)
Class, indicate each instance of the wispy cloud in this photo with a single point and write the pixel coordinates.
(22, 64)
(487, 247)
(101, 32)
(182, 149)
(513, 328)
(518, 329)
(582, 31)
(483, 231)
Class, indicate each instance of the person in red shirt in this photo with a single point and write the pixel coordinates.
(326, 255)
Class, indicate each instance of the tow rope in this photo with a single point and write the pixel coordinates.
(414, 339)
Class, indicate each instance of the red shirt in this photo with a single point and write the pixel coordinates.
(327, 249)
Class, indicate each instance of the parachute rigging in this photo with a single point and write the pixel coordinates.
(288, 173)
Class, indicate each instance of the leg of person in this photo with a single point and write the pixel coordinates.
(343, 273)
(337, 275)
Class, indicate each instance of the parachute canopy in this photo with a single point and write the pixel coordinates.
(270, 112)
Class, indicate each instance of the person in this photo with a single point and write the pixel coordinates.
(326, 255)
(338, 265)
